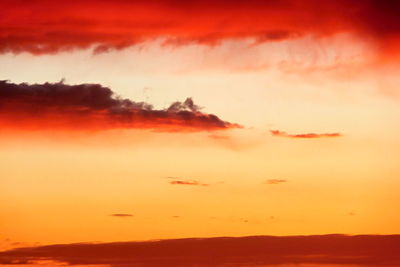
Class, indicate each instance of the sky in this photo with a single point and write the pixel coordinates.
(134, 121)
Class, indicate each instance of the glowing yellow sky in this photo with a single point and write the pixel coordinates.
(61, 187)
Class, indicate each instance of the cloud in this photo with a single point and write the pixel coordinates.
(46, 26)
(360, 250)
(352, 213)
(187, 182)
(94, 107)
(219, 137)
(121, 215)
(276, 181)
(306, 135)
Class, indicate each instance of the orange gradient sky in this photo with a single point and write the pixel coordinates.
(292, 132)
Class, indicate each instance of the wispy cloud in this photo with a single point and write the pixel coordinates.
(219, 137)
(305, 135)
(121, 215)
(276, 181)
(187, 182)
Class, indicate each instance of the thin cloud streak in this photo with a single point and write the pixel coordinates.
(121, 215)
(188, 182)
(306, 135)
(276, 181)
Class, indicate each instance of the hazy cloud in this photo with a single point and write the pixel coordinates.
(187, 182)
(306, 135)
(276, 181)
(121, 215)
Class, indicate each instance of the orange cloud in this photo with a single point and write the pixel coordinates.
(219, 137)
(361, 250)
(94, 107)
(306, 135)
(187, 182)
(46, 26)
(121, 215)
(276, 181)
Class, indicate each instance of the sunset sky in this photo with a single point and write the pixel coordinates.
(164, 119)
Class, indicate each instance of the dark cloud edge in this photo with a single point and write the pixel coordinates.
(93, 106)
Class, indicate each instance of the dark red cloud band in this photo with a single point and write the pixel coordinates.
(362, 250)
(47, 26)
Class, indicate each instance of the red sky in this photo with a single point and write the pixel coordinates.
(128, 121)
(44, 26)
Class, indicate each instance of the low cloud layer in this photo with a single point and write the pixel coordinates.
(306, 135)
(94, 107)
(361, 250)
